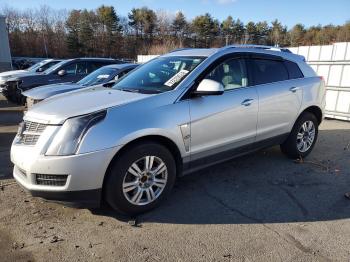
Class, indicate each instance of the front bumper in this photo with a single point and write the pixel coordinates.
(84, 174)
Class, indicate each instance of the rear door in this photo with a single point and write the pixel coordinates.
(280, 96)
(222, 124)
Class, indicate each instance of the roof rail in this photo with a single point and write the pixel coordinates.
(179, 49)
(265, 47)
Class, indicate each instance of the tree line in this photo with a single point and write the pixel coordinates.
(46, 32)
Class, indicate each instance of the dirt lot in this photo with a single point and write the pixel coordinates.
(259, 207)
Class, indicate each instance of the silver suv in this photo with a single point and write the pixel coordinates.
(180, 112)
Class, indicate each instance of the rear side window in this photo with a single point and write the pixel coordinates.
(93, 65)
(78, 68)
(293, 70)
(268, 71)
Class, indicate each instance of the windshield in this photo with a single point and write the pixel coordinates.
(34, 67)
(159, 75)
(53, 68)
(100, 76)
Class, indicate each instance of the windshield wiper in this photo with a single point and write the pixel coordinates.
(129, 90)
(142, 91)
(150, 91)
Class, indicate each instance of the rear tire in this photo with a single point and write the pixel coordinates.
(148, 183)
(302, 138)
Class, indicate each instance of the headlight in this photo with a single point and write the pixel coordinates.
(67, 140)
(2, 79)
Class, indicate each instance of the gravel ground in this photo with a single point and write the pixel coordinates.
(260, 207)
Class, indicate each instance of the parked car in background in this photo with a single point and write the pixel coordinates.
(36, 68)
(71, 70)
(23, 63)
(106, 76)
(176, 114)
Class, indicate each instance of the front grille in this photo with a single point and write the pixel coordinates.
(51, 180)
(30, 133)
(29, 139)
(34, 127)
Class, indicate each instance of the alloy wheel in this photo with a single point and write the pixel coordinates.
(145, 180)
(306, 136)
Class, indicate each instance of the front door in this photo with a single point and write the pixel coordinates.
(221, 124)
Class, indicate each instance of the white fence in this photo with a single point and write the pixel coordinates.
(145, 58)
(333, 63)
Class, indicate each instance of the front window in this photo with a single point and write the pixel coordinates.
(36, 66)
(159, 75)
(55, 67)
(231, 74)
(99, 76)
(47, 65)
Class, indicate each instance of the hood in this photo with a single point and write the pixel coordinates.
(43, 92)
(30, 79)
(57, 109)
(8, 74)
(11, 73)
(23, 75)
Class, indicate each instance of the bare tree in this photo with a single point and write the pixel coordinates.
(45, 32)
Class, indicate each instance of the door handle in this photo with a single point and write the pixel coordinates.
(294, 89)
(247, 102)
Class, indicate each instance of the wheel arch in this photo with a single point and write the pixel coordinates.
(315, 110)
(163, 140)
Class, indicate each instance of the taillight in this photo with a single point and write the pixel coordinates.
(321, 77)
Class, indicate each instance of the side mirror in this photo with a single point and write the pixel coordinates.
(40, 69)
(209, 87)
(61, 72)
(116, 77)
(109, 84)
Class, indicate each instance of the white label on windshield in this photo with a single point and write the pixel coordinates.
(102, 76)
(176, 78)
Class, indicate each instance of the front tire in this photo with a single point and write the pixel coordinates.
(140, 178)
(302, 138)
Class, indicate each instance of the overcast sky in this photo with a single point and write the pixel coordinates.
(289, 12)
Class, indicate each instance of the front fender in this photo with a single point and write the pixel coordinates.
(128, 123)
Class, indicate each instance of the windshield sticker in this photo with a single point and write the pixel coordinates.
(102, 76)
(176, 78)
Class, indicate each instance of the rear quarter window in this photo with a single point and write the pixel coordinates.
(94, 65)
(268, 71)
(293, 70)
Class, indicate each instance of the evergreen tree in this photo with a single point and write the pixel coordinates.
(227, 27)
(110, 28)
(238, 31)
(86, 32)
(297, 34)
(278, 34)
(262, 33)
(180, 26)
(251, 33)
(206, 28)
(72, 38)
